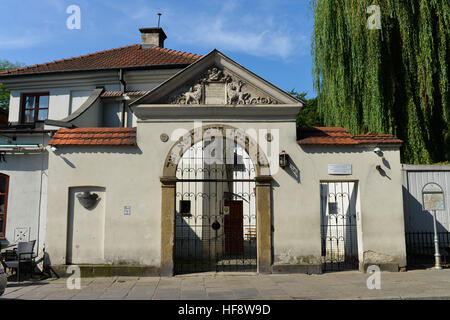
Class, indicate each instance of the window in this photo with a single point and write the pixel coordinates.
(34, 107)
(4, 184)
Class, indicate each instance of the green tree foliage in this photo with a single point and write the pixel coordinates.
(389, 80)
(309, 115)
(4, 93)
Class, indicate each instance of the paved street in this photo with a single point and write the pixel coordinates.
(418, 284)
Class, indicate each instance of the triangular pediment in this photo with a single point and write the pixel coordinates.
(216, 79)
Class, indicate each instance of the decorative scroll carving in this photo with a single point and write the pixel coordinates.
(237, 91)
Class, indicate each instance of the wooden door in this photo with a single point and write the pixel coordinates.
(233, 228)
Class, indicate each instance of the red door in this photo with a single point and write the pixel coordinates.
(234, 232)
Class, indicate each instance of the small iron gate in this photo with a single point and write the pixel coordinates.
(338, 226)
(215, 222)
(420, 248)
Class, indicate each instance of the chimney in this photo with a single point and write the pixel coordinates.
(151, 37)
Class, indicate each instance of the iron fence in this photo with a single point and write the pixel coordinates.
(420, 248)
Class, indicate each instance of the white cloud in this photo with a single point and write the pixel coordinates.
(258, 42)
(231, 26)
(19, 42)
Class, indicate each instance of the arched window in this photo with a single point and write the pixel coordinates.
(4, 184)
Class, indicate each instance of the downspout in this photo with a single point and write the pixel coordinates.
(123, 88)
(40, 199)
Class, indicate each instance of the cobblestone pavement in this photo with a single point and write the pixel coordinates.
(418, 284)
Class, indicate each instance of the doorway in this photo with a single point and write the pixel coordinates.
(234, 228)
(339, 216)
(215, 209)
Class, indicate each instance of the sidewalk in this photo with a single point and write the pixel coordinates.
(417, 284)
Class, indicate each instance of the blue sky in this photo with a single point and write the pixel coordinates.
(271, 38)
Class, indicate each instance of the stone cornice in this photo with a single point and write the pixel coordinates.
(285, 112)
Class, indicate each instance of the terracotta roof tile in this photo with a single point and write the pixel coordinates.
(95, 136)
(124, 57)
(341, 136)
(372, 137)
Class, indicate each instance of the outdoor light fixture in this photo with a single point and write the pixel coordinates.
(88, 199)
(53, 148)
(284, 159)
(378, 151)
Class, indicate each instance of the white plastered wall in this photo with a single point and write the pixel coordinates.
(131, 178)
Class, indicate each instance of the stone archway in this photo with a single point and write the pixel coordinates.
(263, 196)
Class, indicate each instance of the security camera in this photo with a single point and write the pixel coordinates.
(378, 151)
(53, 148)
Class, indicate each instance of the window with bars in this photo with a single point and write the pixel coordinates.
(34, 107)
(4, 185)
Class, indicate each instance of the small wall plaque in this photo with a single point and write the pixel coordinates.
(127, 210)
(22, 234)
(164, 137)
(339, 169)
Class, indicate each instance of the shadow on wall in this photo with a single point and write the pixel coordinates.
(319, 149)
(188, 244)
(34, 162)
(99, 149)
(293, 170)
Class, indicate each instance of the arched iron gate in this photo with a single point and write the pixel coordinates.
(215, 221)
(339, 225)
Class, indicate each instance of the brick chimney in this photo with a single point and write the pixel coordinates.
(151, 37)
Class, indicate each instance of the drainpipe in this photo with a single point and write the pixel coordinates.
(123, 88)
(39, 226)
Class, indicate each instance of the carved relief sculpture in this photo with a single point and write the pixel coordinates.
(215, 74)
(192, 96)
(235, 94)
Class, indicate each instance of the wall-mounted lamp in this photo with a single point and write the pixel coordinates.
(88, 199)
(284, 159)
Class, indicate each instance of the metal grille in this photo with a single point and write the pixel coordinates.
(420, 248)
(215, 222)
(338, 226)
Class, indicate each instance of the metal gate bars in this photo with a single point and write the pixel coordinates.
(338, 226)
(215, 220)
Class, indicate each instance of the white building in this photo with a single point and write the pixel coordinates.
(169, 162)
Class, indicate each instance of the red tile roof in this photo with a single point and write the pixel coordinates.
(94, 136)
(341, 136)
(124, 57)
(373, 138)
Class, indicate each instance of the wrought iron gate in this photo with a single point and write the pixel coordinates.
(215, 221)
(339, 226)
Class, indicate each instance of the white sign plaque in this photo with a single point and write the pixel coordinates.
(339, 169)
(433, 201)
(433, 197)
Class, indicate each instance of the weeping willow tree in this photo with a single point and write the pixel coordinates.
(389, 80)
